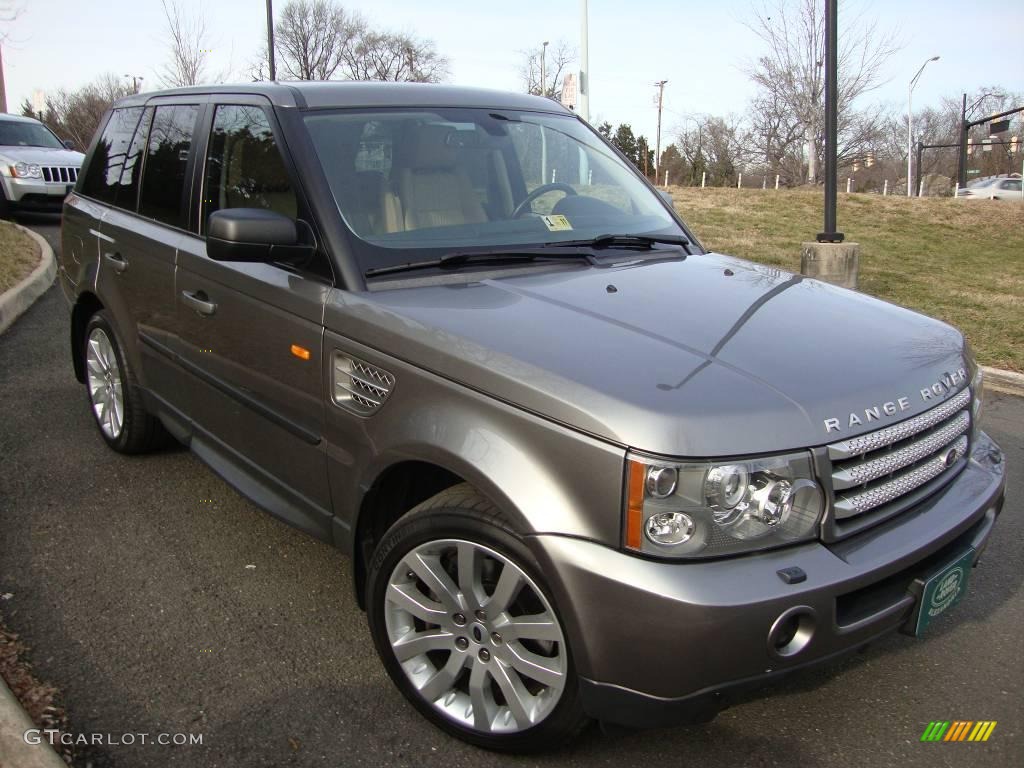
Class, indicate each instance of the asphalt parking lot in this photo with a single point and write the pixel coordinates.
(131, 580)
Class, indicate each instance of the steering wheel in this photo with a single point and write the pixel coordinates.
(555, 186)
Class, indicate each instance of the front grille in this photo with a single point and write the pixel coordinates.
(60, 174)
(875, 475)
(359, 386)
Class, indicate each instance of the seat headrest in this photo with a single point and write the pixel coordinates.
(431, 149)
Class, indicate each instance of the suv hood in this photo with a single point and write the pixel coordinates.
(42, 155)
(707, 356)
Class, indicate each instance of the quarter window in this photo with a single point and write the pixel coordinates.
(103, 177)
(244, 168)
(164, 176)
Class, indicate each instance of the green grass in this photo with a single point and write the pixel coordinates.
(19, 255)
(956, 260)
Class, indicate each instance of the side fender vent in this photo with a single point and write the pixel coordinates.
(358, 386)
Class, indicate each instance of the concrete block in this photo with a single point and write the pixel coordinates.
(835, 263)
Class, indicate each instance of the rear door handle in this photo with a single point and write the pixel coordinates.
(116, 261)
(199, 301)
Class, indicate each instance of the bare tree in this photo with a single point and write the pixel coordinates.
(76, 114)
(394, 56)
(314, 37)
(557, 61)
(189, 44)
(791, 77)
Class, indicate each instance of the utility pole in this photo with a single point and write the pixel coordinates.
(657, 141)
(543, 68)
(584, 86)
(910, 124)
(270, 39)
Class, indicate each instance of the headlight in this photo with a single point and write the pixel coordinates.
(704, 509)
(26, 171)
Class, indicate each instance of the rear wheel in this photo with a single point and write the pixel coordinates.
(113, 391)
(466, 629)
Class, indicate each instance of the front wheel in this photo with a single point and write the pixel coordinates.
(466, 630)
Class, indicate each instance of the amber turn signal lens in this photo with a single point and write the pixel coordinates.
(300, 352)
(635, 505)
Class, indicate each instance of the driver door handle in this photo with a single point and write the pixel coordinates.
(116, 261)
(199, 301)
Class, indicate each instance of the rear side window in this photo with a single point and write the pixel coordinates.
(128, 191)
(102, 178)
(163, 178)
(244, 168)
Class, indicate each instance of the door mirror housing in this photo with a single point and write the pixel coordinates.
(68, 144)
(667, 197)
(253, 235)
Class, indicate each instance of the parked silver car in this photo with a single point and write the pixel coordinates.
(1005, 188)
(37, 170)
(584, 468)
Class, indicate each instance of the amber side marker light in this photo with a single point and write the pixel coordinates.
(635, 505)
(300, 352)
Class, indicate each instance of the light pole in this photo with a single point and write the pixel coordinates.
(136, 79)
(910, 125)
(543, 68)
(584, 87)
(270, 40)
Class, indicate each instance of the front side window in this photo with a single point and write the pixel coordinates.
(164, 174)
(244, 168)
(445, 179)
(102, 178)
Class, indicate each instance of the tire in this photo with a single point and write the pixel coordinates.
(463, 669)
(5, 206)
(113, 391)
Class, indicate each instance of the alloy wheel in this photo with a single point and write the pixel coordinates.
(475, 636)
(105, 387)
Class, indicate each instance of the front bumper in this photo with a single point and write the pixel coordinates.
(656, 643)
(34, 194)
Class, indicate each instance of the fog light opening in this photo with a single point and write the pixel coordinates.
(792, 631)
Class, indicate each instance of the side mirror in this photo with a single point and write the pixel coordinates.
(68, 144)
(667, 197)
(254, 235)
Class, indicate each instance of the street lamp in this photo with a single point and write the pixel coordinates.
(543, 68)
(910, 124)
(136, 79)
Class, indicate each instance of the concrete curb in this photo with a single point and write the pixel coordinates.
(19, 298)
(1007, 382)
(14, 721)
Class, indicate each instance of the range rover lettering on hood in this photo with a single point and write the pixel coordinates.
(944, 386)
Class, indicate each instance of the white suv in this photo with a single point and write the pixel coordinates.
(37, 169)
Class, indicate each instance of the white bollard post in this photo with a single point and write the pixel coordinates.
(703, 178)
(956, 190)
(776, 181)
(885, 188)
(920, 189)
(764, 182)
(739, 181)
(666, 179)
(848, 184)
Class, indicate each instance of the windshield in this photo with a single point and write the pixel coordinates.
(18, 134)
(439, 180)
(981, 183)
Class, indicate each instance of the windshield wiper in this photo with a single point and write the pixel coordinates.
(624, 241)
(496, 256)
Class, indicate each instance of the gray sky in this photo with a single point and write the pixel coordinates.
(699, 47)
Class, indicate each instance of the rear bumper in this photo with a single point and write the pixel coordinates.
(656, 643)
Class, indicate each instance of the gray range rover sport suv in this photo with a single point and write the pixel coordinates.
(584, 469)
